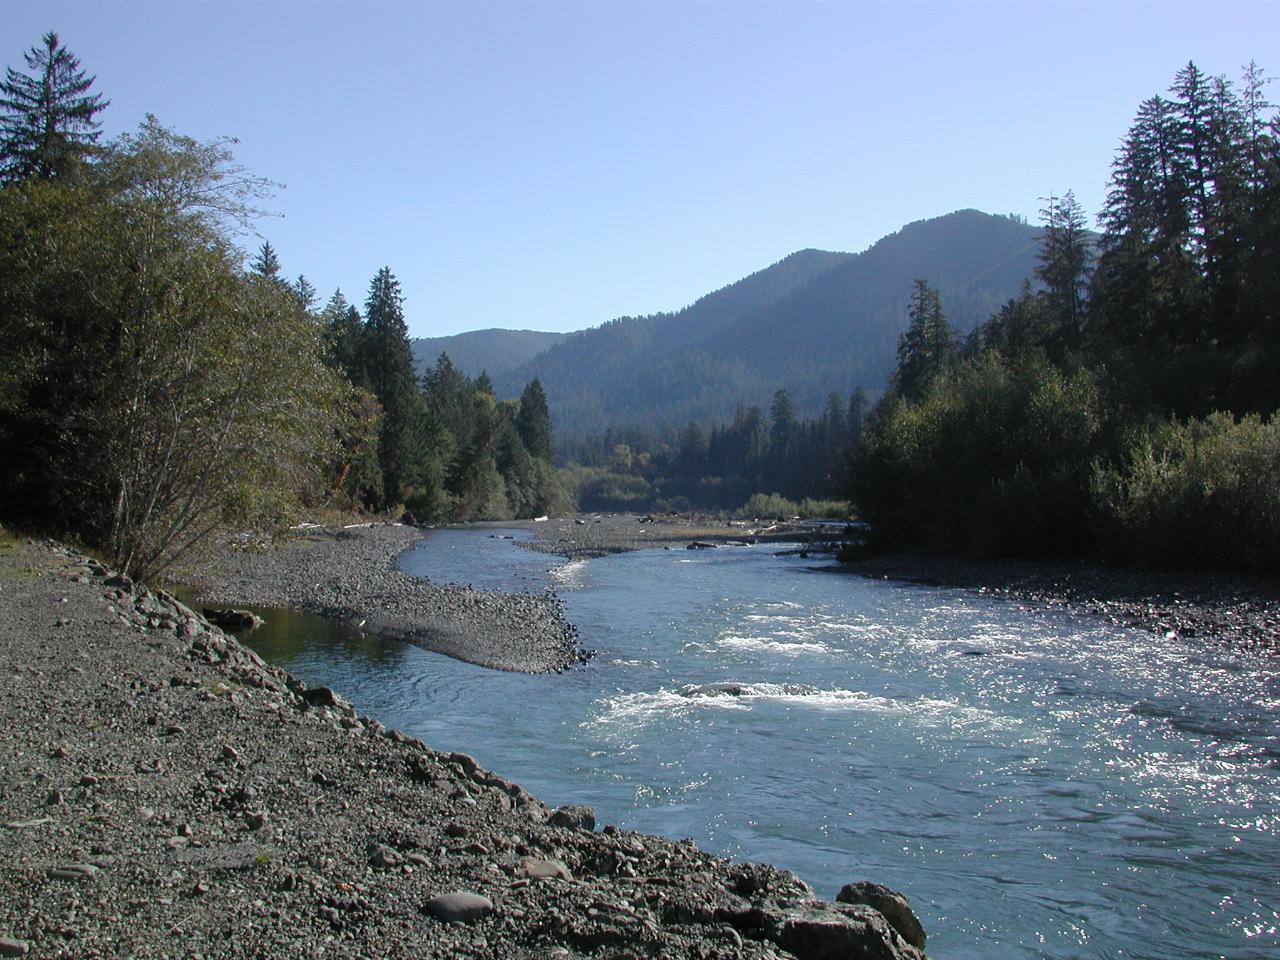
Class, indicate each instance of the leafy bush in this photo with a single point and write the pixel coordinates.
(1201, 493)
(775, 505)
(614, 491)
(995, 458)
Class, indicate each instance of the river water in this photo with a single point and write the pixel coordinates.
(1040, 784)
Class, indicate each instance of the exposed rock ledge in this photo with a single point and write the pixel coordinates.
(164, 793)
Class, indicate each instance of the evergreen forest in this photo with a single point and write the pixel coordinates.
(157, 389)
(1125, 405)
(1012, 390)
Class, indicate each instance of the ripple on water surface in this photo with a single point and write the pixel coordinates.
(1039, 783)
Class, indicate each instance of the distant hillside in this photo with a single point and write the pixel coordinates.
(814, 323)
(496, 351)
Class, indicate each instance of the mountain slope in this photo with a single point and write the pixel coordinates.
(496, 351)
(595, 359)
(814, 323)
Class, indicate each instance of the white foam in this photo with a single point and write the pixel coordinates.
(632, 709)
(771, 645)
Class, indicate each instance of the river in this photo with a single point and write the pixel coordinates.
(1039, 783)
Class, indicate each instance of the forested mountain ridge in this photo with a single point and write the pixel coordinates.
(479, 351)
(587, 365)
(814, 323)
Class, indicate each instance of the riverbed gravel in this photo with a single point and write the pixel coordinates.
(164, 793)
(350, 574)
(1242, 611)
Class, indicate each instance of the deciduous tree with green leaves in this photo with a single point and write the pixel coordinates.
(159, 393)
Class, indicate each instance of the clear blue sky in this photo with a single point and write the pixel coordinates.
(551, 165)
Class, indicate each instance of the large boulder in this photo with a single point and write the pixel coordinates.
(818, 930)
(892, 905)
(574, 816)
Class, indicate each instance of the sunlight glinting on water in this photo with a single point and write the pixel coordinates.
(1041, 784)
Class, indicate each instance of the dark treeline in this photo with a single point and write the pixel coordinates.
(443, 445)
(1125, 408)
(154, 390)
(722, 467)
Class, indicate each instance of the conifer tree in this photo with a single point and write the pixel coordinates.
(343, 332)
(926, 347)
(1064, 264)
(266, 263)
(305, 291)
(387, 361)
(534, 421)
(47, 118)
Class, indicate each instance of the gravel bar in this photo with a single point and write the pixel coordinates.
(164, 793)
(350, 574)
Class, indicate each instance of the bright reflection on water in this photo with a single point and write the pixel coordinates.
(1040, 784)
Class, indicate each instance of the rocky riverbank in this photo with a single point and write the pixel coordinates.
(163, 793)
(1239, 610)
(586, 537)
(350, 574)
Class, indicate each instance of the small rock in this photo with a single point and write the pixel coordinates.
(418, 859)
(256, 819)
(229, 752)
(383, 856)
(184, 830)
(74, 871)
(54, 799)
(459, 907)
(88, 780)
(60, 753)
(200, 889)
(456, 830)
(13, 948)
(544, 869)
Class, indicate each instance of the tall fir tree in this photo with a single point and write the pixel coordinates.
(534, 421)
(927, 346)
(343, 334)
(47, 118)
(1064, 266)
(387, 361)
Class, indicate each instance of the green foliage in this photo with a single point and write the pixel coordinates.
(47, 124)
(157, 392)
(386, 365)
(1200, 493)
(473, 462)
(927, 347)
(994, 457)
(608, 491)
(534, 421)
(1038, 442)
(772, 505)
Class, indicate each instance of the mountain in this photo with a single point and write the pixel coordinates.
(814, 323)
(496, 351)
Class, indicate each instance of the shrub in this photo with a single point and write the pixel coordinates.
(995, 458)
(1201, 493)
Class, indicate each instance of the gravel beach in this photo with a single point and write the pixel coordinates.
(163, 794)
(1238, 610)
(350, 574)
